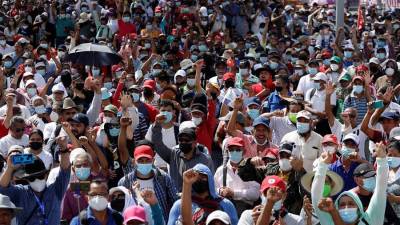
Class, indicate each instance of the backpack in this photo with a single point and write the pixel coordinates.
(116, 217)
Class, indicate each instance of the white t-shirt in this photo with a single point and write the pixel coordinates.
(305, 84)
(169, 140)
(8, 141)
(280, 126)
(46, 157)
(24, 111)
(290, 219)
(146, 184)
(318, 99)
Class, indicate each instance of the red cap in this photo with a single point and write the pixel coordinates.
(157, 9)
(330, 138)
(272, 153)
(326, 54)
(358, 78)
(361, 67)
(272, 181)
(143, 151)
(132, 35)
(235, 141)
(229, 75)
(115, 68)
(150, 84)
(134, 213)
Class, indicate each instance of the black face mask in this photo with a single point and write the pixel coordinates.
(278, 88)
(118, 204)
(35, 145)
(200, 186)
(185, 147)
(147, 93)
(79, 86)
(229, 83)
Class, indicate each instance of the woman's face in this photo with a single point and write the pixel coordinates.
(35, 138)
(347, 202)
(393, 152)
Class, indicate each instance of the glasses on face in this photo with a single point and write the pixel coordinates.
(40, 177)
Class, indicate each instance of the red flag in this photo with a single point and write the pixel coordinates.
(360, 18)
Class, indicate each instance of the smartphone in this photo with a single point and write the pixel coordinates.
(378, 104)
(82, 186)
(22, 159)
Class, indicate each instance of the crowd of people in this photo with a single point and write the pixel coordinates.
(218, 112)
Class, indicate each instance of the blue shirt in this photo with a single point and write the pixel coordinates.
(23, 196)
(92, 220)
(275, 102)
(347, 176)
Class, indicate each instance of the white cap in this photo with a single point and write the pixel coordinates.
(203, 11)
(288, 7)
(179, 73)
(186, 124)
(218, 215)
(352, 137)
(303, 114)
(39, 64)
(74, 153)
(374, 60)
(29, 82)
(15, 148)
(320, 76)
(186, 64)
(27, 74)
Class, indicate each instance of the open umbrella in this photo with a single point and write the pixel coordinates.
(93, 54)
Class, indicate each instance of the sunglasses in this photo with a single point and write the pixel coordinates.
(40, 177)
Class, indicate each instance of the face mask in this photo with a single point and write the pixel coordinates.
(334, 67)
(98, 203)
(185, 147)
(369, 184)
(144, 168)
(285, 165)
(393, 162)
(31, 91)
(95, 72)
(147, 45)
(294, 60)
(317, 85)
(348, 215)
(200, 186)
(2, 42)
(108, 85)
(40, 109)
(244, 72)
(194, 58)
(389, 71)
(41, 72)
(330, 149)
(236, 156)
(263, 59)
(303, 128)
(35, 145)
(82, 173)
(253, 113)
(327, 190)
(7, 64)
(299, 72)
(44, 45)
(28, 69)
(191, 82)
(158, 14)
(247, 45)
(348, 54)
(358, 89)
(203, 48)
(346, 152)
(197, 120)
(158, 86)
(380, 44)
(114, 132)
(278, 205)
(381, 55)
(126, 19)
(204, 23)
(311, 50)
(167, 115)
(312, 70)
(38, 185)
(273, 65)
(135, 97)
(118, 204)
(326, 62)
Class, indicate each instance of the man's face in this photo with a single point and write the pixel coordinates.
(98, 190)
(58, 95)
(81, 162)
(6, 216)
(69, 113)
(78, 129)
(261, 133)
(17, 131)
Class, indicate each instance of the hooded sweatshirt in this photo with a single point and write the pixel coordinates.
(224, 204)
(375, 214)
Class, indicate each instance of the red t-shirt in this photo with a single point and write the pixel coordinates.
(125, 28)
(3, 129)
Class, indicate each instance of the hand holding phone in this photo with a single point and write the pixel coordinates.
(22, 159)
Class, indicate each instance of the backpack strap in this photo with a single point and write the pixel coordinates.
(83, 217)
(176, 133)
(224, 172)
(312, 93)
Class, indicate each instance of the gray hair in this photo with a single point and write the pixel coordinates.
(16, 119)
(83, 155)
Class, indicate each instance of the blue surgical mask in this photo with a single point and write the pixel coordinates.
(312, 70)
(277, 205)
(380, 44)
(369, 183)
(40, 109)
(82, 173)
(253, 113)
(326, 62)
(236, 156)
(144, 168)
(294, 59)
(358, 89)
(114, 132)
(247, 45)
(8, 64)
(381, 55)
(108, 85)
(41, 72)
(348, 54)
(393, 162)
(194, 58)
(348, 215)
(135, 97)
(95, 72)
(203, 48)
(346, 151)
(168, 116)
(302, 128)
(273, 65)
(317, 85)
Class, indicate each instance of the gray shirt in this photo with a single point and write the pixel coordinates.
(175, 158)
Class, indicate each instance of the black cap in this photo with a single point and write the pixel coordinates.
(286, 147)
(188, 132)
(80, 118)
(34, 169)
(364, 170)
(199, 107)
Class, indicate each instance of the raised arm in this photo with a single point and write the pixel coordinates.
(44, 90)
(9, 111)
(189, 177)
(199, 64)
(156, 138)
(365, 123)
(231, 127)
(95, 108)
(122, 143)
(328, 108)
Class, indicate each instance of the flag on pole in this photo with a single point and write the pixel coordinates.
(360, 18)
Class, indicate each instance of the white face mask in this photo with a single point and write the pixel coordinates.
(38, 185)
(334, 67)
(285, 165)
(191, 82)
(329, 149)
(28, 69)
(98, 203)
(243, 72)
(53, 116)
(389, 71)
(107, 119)
(197, 120)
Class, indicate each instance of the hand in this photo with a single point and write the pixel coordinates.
(190, 176)
(297, 164)
(62, 142)
(274, 194)
(10, 164)
(123, 76)
(257, 161)
(91, 134)
(392, 198)
(97, 86)
(50, 80)
(267, 20)
(160, 118)
(126, 101)
(326, 157)
(355, 157)
(326, 204)
(307, 206)
(149, 196)
(226, 192)
(136, 186)
(380, 150)
(256, 212)
(199, 64)
(388, 96)
(279, 113)
(67, 127)
(83, 141)
(330, 89)
(125, 121)
(238, 103)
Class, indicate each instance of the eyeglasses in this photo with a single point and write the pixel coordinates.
(40, 177)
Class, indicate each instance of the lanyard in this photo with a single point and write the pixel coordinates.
(42, 209)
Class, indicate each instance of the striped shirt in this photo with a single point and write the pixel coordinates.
(360, 104)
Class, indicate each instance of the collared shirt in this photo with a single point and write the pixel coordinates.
(280, 126)
(307, 150)
(347, 176)
(318, 99)
(92, 220)
(23, 196)
(243, 191)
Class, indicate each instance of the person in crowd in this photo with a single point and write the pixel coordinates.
(8, 210)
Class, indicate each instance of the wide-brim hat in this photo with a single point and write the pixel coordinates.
(37, 168)
(307, 179)
(6, 203)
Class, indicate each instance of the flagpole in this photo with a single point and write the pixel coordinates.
(339, 14)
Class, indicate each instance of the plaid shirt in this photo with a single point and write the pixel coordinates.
(163, 188)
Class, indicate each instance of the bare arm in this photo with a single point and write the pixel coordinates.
(189, 177)
(122, 148)
(199, 64)
(328, 108)
(9, 112)
(43, 92)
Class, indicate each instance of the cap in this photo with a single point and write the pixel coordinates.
(198, 108)
(188, 132)
(374, 60)
(186, 124)
(330, 138)
(39, 64)
(336, 59)
(186, 64)
(345, 77)
(80, 118)
(364, 170)
(111, 108)
(352, 137)
(29, 82)
(272, 181)
(252, 101)
(180, 73)
(271, 153)
(229, 75)
(303, 114)
(143, 151)
(362, 67)
(239, 118)
(149, 84)
(261, 120)
(395, 133)
(235, 141)
(27, 74)
(326, 54)
(15, 148)
(389, 115)
(5, 203)
(105, 94)
(218, 215)
(286, 147)
(134, 213)
(320, 76)
(358, 78)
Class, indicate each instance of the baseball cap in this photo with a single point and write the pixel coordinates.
(364, 170)
(389, 115)
(358, 78)
(239, 118)
(336, 59)
(252, 101)
(395, 133)
(352, 137)
(345, 77)
(229, 76)
(271, 153)
(303, 114)
(134, 213)
(111, 108)
(235, 141)
(260, 121)
(80, 118)
(149, 84)
(15, 148)
(320, 76)
(188, 132)
(218, 215)
(186, 64)
(143, 151)
(330, 138)
(272, 181)
(286, 147)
